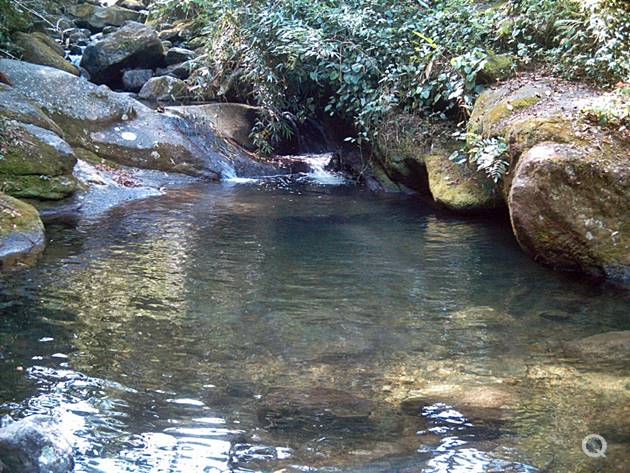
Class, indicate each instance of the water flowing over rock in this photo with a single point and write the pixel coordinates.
(134, 46)
(34, 445)
(21, 234)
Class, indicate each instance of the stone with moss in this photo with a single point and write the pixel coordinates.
(459, 188)
(164, 89)
(40, 187)
(39, 49)
(495, 106)
(497, 67)
(22, 237)
(569, 207)
(96, 17)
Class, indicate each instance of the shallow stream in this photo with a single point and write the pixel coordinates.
(156, 331)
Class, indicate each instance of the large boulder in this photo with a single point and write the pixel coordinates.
(35, 445)
(22, 240)
(40, 49)
(569, 207)
(134, 46)
(96, 18)
(164, 89)
(121, 129)
(179, 55)
(233, 121)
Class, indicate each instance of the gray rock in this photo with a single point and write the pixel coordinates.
(320, 408)
(134, 46)
(134, 79)
(135, 5)
(181, 71)
(234, 121)
(164, 88)
(73, 103)
(15, 106)
(96, 18)
(179, 55)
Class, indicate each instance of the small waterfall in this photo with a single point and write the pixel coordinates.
(318, 169)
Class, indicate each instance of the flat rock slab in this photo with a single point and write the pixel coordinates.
(314, 408)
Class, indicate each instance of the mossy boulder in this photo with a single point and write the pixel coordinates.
(569, 207)
(22, 237)
(40, 49)
(36, 163)
(401, 144)
(457, 187)
(134, 46)
(164, 89)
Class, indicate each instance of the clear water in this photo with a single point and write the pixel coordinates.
(155, 331)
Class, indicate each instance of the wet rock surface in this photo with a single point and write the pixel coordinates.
(34, 445)
(21, 234)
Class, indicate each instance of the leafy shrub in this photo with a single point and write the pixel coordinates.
(363, 59)
(488, 155)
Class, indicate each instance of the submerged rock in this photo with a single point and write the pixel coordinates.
(34, 445)
(477, 403)
(21, 237)
(40, 49)
(315, 408)
(134, 46)
(609, 346)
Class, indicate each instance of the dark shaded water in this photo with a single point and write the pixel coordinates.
(156, 331)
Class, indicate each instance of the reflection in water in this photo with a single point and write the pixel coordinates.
(155, 333)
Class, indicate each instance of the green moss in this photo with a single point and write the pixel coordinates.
(458, 188)
(38, 187)
(16, 215)
(40, 51)
(497, 67)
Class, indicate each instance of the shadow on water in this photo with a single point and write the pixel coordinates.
(159, 333)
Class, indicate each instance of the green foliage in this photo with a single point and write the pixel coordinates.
(611, 110)
(11, 19)
(488, 155)
(363, 59)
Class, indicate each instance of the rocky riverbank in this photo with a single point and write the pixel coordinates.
(566, 188)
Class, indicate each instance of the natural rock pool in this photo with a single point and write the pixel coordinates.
(262, 327)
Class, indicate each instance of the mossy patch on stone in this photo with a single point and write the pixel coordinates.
(497, 67)
(21, 232)
(495, 105)
(38, 186)
(457, 187)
